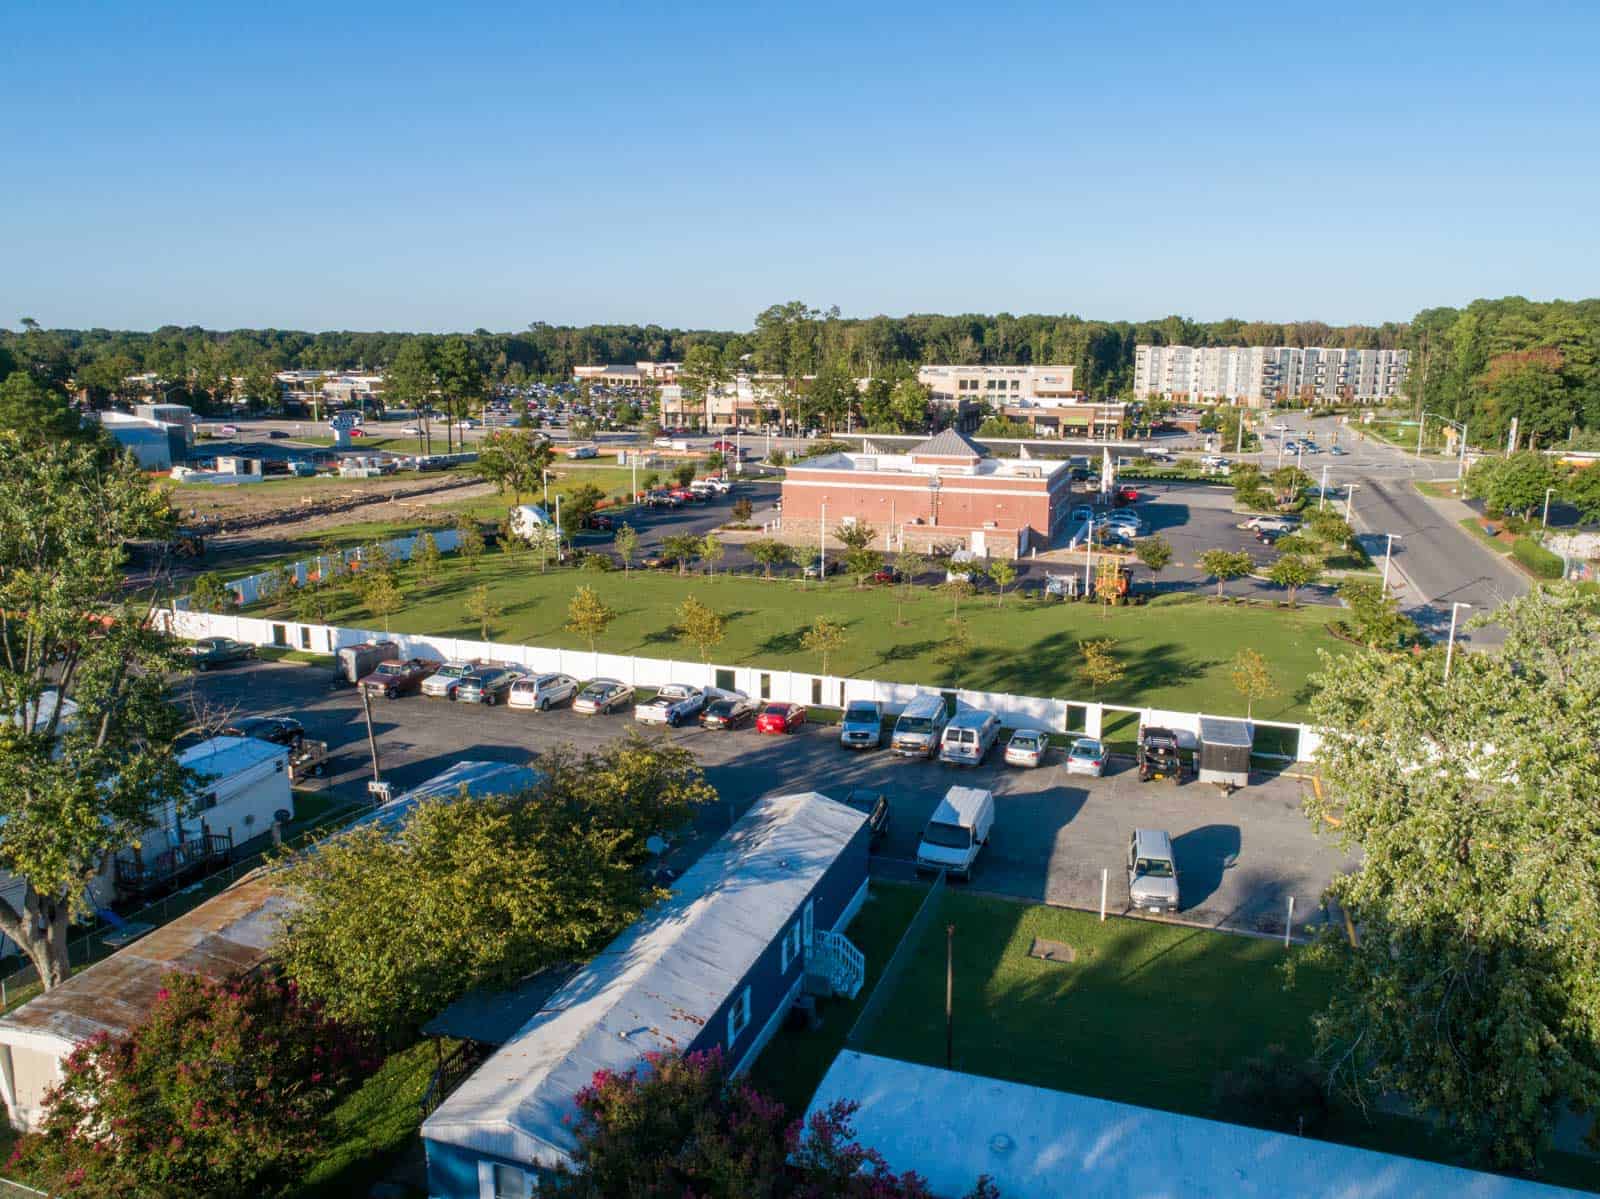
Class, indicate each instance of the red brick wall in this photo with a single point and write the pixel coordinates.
(959, 504)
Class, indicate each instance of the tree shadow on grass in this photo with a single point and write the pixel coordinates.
(907, 651)
(782, 643)
(666, 636)
(1049, 667)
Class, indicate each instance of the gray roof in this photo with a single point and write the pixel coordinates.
(952, 1127)
(1218, 730)
(479, 779)
(494, 1017)
(654, 987)
(948, 444)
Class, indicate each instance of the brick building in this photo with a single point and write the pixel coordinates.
(942, 491)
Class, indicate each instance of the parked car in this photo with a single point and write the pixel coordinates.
(487, 685)
(1128, 495)
(663, 499)
(358, 432)
(219, 651)
(969, 737)
(1082, 513)
(542, 692)
(958, 829)
(600, 521)
(1152, 871)
(726, 447)
(655, 562)
(442, 683)
(1027, 747)
(280, 730)
(410, 431)
(886, 574)
(277, 434)
(1087, 756)
(1338, 451)
(1160, 756)
(874, 805)
(228, 431)
(818, 566)
(673, 705)
(919, 726)
(393, 679)
(780, 718)
(602, 696)
(862, 726)
(729, 712)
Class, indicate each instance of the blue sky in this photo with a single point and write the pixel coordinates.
(455, 166)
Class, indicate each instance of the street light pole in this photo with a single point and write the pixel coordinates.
(1350, 501)
(822, 543)
(1450, 648)
(1545, 523)
(1388, 552)
(1322, 498)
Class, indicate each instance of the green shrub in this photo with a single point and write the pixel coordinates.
(1536, 558)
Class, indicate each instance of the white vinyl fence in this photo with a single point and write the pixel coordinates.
(1015, 711)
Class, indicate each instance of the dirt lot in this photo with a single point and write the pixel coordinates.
(317, 503)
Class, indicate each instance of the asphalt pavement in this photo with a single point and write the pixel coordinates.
(1240, 858)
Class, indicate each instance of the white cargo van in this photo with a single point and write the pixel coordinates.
(957, 830)
(969, 737)
(917, 732)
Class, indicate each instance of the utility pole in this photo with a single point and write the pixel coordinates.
(1545, 523)
(1323, 497)
(949, 996)
(372, 740)
(822, 543)
(1450, 648)
(1350, 501)
(1388, 552)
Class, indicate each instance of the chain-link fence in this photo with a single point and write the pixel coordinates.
(861, 1030)
(19, 980)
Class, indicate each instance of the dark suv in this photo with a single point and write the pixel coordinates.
(280, 730)
(1160, 755)
(875, 807)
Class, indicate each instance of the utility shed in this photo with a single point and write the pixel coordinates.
(223, 937)
(1035, 1143)
(715, 966)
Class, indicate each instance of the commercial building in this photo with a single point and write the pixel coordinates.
(746, 401)
(1258, 375)
(757, 919)
(1035, 1143)
(941, 490)
(154, 444)
(998, 385)
(635, 375)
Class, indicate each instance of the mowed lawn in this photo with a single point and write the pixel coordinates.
(1174, 655)
(1148, 1013)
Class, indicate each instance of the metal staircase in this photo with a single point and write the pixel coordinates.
(839, 961)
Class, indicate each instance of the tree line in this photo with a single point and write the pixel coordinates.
(1481, 365)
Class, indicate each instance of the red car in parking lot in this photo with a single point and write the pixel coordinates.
(780, 718)
(1127, 495)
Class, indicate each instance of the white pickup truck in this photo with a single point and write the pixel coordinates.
(673, 705)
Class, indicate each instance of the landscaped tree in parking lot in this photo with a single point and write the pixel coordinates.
(770, 553)
(626, 543)
(1223, 565)
(1471, 987)
(682, 548)
(711, 552)
(389, 929)
(1294, 572)
(1155, 552)
(860, 559)
(78, 785)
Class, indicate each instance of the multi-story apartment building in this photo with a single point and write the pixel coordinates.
(1262, 374)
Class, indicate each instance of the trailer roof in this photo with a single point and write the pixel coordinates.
(1217, 730)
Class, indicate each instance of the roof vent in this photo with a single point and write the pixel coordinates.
(1001, 1143)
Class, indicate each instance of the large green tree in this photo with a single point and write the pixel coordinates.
(75, 785)
(703, 374)
(388, 929)
(36, 412)
(514, 460)
(411, 382)
(1470, 981)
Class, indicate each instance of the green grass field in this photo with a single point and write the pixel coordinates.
(1174, 655)
(1148, 1013)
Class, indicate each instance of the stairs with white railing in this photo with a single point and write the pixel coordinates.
(844, 966)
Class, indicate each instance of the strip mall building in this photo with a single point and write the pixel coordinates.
(943, 491)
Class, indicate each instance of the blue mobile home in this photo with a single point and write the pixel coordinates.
(716, 966)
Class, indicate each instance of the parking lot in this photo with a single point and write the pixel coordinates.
(1239, 858)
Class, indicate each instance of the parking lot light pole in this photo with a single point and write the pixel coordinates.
(1388, 552)
(1350, 501)
(1450, 647)
(1545, 523)
(1322, 499)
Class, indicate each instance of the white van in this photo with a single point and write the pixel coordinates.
(969, 737)
(957, 830)
(917, 732)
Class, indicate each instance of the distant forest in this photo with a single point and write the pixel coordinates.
(1486, 363)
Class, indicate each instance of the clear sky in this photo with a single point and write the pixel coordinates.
(450, 166)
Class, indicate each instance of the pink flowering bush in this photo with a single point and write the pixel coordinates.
(222, 1091)
(681, 1128)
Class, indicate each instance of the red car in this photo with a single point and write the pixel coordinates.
(358, 432)
(780, 718)
(727, 447)
(886, 574)
(683, 495)
(1128, 495)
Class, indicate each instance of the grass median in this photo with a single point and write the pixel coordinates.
(1173, 655)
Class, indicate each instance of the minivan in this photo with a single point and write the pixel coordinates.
(917, 732)
(1152, 871)
(968, 737)
(957, 830)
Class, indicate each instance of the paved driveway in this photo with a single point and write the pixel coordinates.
(1239, 858)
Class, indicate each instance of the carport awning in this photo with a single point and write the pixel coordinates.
(493, 1017)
